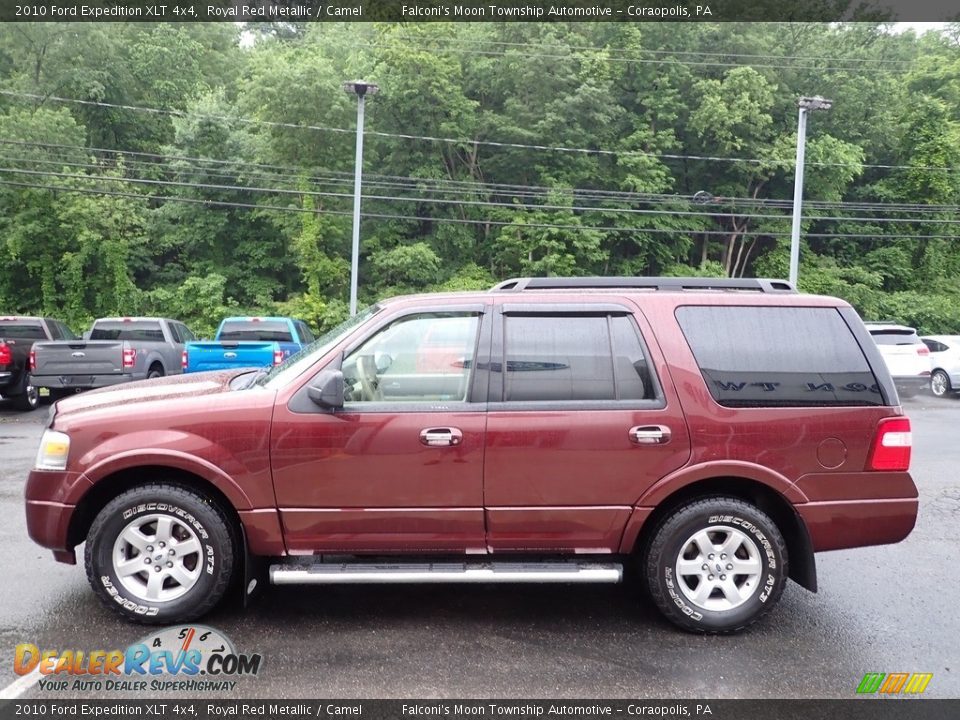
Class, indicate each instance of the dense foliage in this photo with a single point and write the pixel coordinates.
(198, 170)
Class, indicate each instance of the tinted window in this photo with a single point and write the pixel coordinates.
(141, 330)
(935, 346)
(175, 333)
(419, 358)
(778, 356)
(305, 335)
(21, 329)
(894, 337)
(268, 330)
(65, 332)
(554, 357)
(630, 362)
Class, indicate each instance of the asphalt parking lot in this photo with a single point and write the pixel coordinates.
(884, 609)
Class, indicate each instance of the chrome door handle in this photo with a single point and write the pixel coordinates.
(441, 437)
(649, 435)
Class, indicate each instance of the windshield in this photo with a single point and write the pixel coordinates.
(300, 361)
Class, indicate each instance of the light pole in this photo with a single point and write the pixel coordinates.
(805, 104)
(362, 89)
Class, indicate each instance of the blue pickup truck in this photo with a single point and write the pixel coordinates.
(247, 342)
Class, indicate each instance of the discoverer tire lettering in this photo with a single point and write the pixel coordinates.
(199, 519)
(728, 522)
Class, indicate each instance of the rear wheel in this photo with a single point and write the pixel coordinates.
(940, 383)
(29, 399)
(155, 371)
(159, 554)
(716, 565)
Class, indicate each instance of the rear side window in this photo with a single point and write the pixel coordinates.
(778, 356)
(22, 330)
(573, 357)
(260, 330)
(141, 330)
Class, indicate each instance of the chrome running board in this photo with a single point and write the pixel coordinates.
(445, 572)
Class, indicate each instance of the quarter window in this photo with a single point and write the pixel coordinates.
(426, 357)
(778, 356)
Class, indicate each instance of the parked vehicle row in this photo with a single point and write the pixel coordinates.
(44, 356)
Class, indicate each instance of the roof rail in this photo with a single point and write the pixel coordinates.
(647, 283)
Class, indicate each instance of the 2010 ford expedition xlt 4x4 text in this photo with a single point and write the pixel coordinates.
(711, 435)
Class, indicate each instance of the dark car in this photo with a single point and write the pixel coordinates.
(711, 434)
(17, 337)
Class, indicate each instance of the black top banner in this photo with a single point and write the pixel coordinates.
(633, 11)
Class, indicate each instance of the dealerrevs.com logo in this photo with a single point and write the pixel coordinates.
(179, 658)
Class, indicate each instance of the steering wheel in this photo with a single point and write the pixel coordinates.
(369, 382)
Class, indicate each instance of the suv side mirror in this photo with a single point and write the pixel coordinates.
(327, 389)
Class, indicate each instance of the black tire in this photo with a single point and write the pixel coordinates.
(194, 516)
(155, 371)
(673, 541)
(940, 383)
(28, 400)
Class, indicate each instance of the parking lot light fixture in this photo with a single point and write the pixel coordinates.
(361, 89)
(805, 105)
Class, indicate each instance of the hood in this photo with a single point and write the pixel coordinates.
(142, 391)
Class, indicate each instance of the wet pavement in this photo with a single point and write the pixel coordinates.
(883, 609)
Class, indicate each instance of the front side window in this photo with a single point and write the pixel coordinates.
(554, 357)
(426, 357)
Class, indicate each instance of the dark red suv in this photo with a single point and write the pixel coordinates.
(711, 434)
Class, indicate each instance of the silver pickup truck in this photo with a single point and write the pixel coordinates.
(114, 350)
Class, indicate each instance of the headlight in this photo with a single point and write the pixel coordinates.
(53, 452)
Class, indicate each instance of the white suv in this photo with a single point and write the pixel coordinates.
(944, 363)
(906, 355)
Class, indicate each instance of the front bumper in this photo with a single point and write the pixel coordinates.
(51, 499)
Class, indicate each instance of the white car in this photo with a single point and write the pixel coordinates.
(944, 363)
(906, 355)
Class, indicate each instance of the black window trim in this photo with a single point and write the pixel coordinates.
(496, 402)
(300, 402)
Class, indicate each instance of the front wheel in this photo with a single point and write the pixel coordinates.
(716, 565)
(940, 383)
(160, 554)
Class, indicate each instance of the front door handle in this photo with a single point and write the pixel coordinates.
(441, 437)
(649, 435)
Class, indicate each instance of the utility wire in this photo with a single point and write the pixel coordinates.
(463, 141)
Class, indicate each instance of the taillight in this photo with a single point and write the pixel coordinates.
(32, 361)
(6, 354)
(277, 357)
(129, 357)
(891, 445)
(923, 350)
(183, 360)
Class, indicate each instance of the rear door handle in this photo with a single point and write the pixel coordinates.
(649, 435)
(441, 437)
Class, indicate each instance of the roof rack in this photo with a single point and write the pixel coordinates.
(644, 283)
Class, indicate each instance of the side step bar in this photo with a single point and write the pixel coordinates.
(447, 572)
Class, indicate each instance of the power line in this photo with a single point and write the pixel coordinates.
(463, 141)
(466, 203)
(466, 221)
